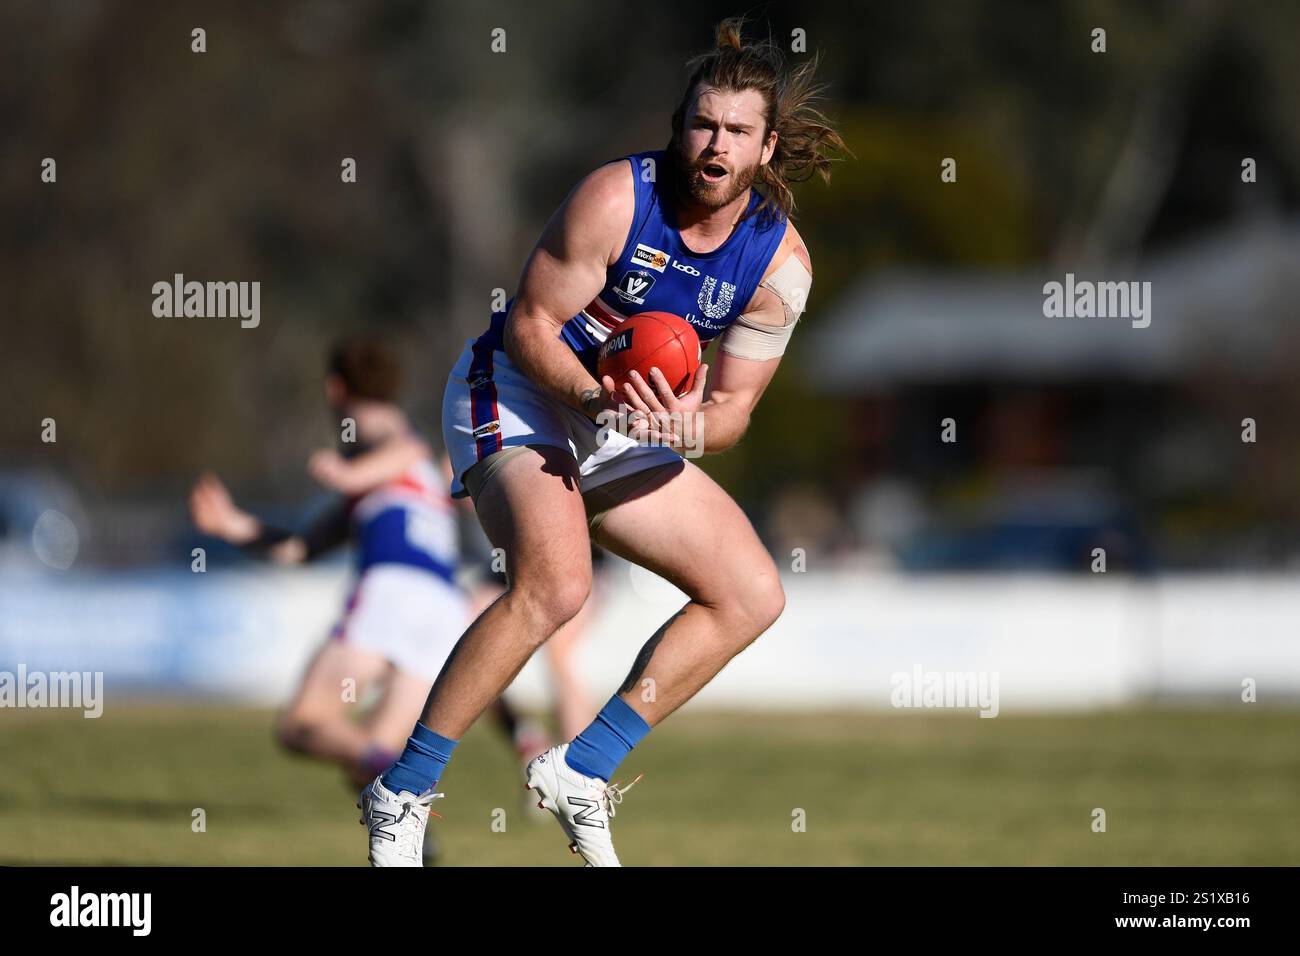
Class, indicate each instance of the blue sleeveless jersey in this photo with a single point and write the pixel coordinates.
(656, 272)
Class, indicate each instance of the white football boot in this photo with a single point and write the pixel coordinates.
(583, 805)
(396, 822)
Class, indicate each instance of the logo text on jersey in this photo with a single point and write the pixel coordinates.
(655, 259)
(683, 267)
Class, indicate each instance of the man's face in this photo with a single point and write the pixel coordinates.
(722, 145)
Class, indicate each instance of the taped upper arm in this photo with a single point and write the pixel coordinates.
(763, 330)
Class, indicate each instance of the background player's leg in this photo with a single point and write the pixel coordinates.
(388, 723)
(318, 722)
(533, 510)
(686, 529)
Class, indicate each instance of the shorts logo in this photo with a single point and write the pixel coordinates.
(683, 267)
(618, 342)
(653, 258)
(634, 285)
(487, 428)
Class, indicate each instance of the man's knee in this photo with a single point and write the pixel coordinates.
(553, 599)
(753, 602)
(764, 601)
(772, 604)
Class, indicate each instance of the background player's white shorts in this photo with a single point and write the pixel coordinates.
(490, 405)
(408, 616)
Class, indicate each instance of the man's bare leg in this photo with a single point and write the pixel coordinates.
(572, 709)
(532, 510)
(681, 525)
(689, 531)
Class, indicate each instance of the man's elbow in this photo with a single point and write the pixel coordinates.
(523, 334)
(510, 336)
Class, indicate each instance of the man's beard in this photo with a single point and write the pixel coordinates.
(694, 188)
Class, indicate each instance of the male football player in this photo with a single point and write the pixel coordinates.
(700, 229)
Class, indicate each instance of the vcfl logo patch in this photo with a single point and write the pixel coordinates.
(634, 285)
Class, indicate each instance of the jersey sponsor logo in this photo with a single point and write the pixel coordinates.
(683, 267)
(705, 324)
(619, 342)
(584, 816)
(715, 307)
(634, 285)
(656, 259)
(488, 428)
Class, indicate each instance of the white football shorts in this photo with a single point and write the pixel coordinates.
(490, 405)
(409, 616)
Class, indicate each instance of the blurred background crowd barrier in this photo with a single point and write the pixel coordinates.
(850, 639)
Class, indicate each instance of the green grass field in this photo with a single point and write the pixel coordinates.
(1178, 788)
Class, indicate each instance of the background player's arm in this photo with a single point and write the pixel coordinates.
(215, 513)
(564, 273)
(356, 476)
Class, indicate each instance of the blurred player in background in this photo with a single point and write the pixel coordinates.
(405, 610)
(678, 230)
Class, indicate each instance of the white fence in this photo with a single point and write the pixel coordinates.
(1049, 642)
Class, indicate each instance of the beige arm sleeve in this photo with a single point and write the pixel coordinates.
(790, 282)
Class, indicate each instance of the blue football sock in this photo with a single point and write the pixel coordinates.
(598, 750)
(421, 763)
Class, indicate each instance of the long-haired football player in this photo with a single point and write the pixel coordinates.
(702, 230)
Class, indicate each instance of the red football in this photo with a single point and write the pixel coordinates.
(651, 340)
